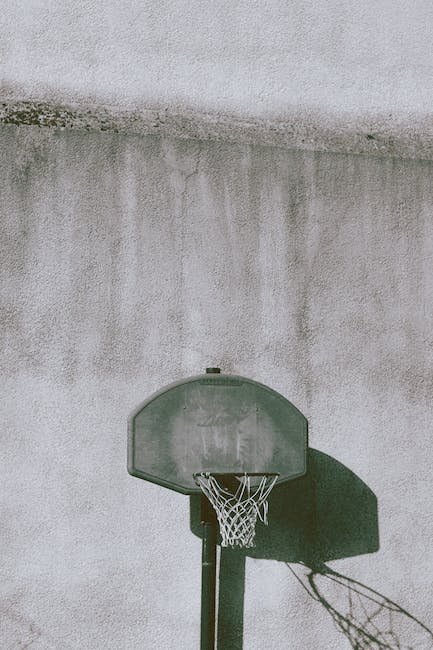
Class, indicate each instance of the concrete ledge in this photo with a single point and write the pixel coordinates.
(408, 136)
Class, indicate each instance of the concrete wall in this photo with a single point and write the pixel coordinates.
(243, 57)
(334, 76)
(129, 262)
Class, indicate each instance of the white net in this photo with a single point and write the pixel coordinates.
(239, 506)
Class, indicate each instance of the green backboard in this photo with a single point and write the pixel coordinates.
(215, 423)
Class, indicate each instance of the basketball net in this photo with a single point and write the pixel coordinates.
(238, 500)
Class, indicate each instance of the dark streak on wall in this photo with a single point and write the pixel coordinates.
(374, 135)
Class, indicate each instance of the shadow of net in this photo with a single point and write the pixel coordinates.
(367, 618)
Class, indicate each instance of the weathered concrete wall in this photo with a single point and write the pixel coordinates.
(245, 57)
(128, 262)
(329, 76)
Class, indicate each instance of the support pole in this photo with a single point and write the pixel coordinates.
(208, 575)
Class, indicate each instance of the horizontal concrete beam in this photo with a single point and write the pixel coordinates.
(408, 136)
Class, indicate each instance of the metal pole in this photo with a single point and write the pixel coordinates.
(208, 575)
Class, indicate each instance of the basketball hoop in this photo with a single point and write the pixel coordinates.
(228, 439)
(238, 500)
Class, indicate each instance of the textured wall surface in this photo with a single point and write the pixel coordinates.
(333, 76)
(243, 57)
(128, 262)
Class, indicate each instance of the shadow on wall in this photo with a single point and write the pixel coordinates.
(368, 619)
(326, 515)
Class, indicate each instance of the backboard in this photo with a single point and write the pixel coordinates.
(215, 423)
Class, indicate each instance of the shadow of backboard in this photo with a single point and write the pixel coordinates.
(328, 514)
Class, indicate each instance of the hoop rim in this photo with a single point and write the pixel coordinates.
(204, 473)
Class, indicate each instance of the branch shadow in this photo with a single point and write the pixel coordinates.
(328, 514)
